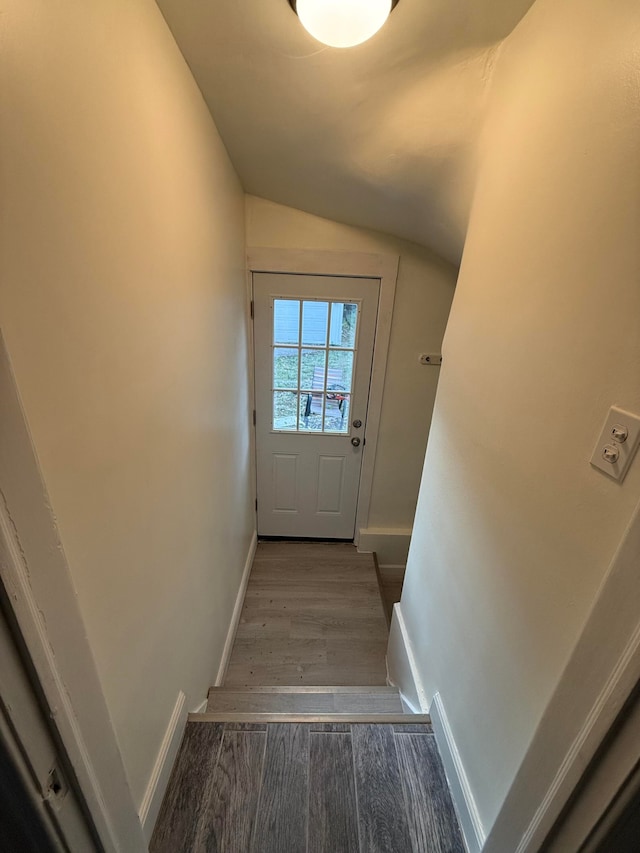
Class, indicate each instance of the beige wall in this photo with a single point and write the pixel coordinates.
(423, 299)
(123, 308)
(514, 530)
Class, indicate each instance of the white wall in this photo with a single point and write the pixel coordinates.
(514, 530)
(123, 308)
(423, 299)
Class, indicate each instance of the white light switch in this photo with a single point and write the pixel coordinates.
(617, 443)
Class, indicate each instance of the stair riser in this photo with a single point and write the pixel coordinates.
(305, 700)
(375, 690)
(306, 703)
(398, 719)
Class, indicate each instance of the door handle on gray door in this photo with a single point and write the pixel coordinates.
(357, 424)
(355, 442)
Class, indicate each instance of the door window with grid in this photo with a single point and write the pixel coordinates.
(314, 345)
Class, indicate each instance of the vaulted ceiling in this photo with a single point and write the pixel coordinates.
(383, 135)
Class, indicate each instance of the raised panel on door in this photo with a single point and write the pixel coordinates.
(285, 482)
(313, 342)
(331, 471)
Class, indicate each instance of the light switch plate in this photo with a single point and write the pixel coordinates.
(616, 419)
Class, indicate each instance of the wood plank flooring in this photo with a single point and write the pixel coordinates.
(227, 823)
(333, 810)
(312, 615)
(281, 819)
(307, 788)
(383, 820)
(194, 766)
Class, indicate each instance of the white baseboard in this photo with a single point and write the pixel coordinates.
(202, 707)
(470, 823)
(402, 670)
(237, 610)
(159, 778)
(407, 706)
(391, 544)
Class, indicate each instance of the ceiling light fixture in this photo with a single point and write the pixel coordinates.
(342, 23)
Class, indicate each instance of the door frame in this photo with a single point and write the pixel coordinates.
(38, 583)
(600, 676)
(33, 754)
(610, 781)
(383, 268)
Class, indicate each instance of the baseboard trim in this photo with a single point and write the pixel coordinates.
(402, 670)
(237, 610)
(159, 778)
(202, 707)
(409, 707)
(470, 823)
(391, 544)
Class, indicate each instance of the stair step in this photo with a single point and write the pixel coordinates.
(396, 719)
(304, 700)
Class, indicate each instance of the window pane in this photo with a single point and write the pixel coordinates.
(311, 412)
(286, 321)
(285, 367)
(315, 320)
(285, 405)
(344, 319)
(339, 375)
(312, 370)
(336, 416)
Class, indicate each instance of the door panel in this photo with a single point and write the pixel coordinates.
(314, 338)
(285, 469)
(331, 471)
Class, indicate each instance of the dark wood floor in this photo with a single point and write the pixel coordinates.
(307, 788)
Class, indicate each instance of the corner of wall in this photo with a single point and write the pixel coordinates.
(391, 544)
(402, 670)
(465, 805)
(237, 610)
(163, 764)
(165, 759)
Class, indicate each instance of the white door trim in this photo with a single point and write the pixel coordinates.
(358, 265)
(26, 737)
(36, 577)
(601, 673)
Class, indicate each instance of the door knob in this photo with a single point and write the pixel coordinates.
(355, 442)
(357, 424)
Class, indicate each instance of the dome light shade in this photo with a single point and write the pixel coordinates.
(342, 23)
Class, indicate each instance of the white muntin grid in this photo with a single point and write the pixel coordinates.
(299, 347)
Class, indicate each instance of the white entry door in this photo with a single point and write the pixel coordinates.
(313, 339)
